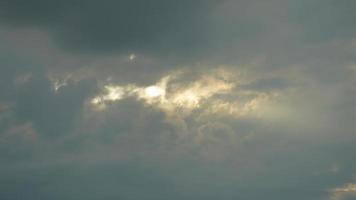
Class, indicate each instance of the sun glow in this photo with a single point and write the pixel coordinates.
(154, 91)
(166, 95)
(174, 94)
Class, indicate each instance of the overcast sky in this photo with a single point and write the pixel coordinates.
(178, 99)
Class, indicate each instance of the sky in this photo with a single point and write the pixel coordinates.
(180, 100)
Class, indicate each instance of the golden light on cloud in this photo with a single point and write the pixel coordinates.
(187, 98)
(112, 93)
(154, 91)
(346, 191)
(173, 94)
(202, 89)
(347, 188)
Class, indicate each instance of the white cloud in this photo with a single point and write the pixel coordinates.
(346, 192)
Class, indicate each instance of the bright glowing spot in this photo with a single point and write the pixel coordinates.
(154, 91)
(114, 93)
(173, 96)
(132, 57)
(96, 100)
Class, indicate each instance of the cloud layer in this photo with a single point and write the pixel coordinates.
(177, 100)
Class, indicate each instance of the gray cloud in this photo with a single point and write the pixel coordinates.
(123, 26)
(284, 131)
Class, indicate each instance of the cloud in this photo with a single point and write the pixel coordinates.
(324, 20)
(124, 26)
(345, 192)
(171, 93)
(177, 100)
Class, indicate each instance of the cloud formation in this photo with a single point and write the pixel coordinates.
(347, 191)
(177, 99)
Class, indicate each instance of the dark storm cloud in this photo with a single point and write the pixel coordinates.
(52, 112)
(124, 26)
(229, 31)
(32, 98)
